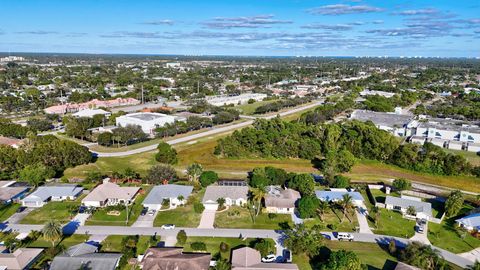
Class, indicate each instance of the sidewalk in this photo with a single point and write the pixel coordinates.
(362, 220)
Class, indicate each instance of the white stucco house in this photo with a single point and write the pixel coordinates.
(173, 193)
(470, 222)
(281, 201)
(233, 195)
(423, 209)
(44, 194)
(109, 194)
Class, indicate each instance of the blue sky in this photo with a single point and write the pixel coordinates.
(448, 28)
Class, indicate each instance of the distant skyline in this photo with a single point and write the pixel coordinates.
(428, 28)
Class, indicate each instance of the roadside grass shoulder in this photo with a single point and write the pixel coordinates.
(238, 217)
(7, 210)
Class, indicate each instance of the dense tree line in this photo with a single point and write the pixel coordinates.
(328, 111)
(281, 104)
(9, 129)
(122, 136)
(461, 107)
(49, 151)
(78, 127)
(333, 147)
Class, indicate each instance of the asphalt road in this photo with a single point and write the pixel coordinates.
(210, 132)
(238, 233)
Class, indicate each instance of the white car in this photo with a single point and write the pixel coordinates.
(168, 226)
(269, 258)
(345, 236)
(151, 212)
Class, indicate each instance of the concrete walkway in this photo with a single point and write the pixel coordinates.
(207, 220)
(473, 255)
(361, 213)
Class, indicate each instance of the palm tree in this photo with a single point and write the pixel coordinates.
(52, 231)
(257, 195)
(346, 204)
(221, 203)
(376, 214)
(194, 171)
(322, 209)
(411, 211)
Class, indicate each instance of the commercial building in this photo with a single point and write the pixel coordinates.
(397, 124)
(90, 113)
(368, 92)
(94, 103)
(147, 121)
(235, 100)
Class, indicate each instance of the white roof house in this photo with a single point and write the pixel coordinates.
(148, 121)
(335, 196)
(110, 194)
(20, 259)
(423, 209)
(172, 193)
(90, 113)
(470, 222)
(54, 193)
(233, 195)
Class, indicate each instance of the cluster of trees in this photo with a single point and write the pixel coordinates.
(48, 152)
(333, 147)
(78, 126)
(281, 104)
(179, 127)
(383, 104)
(328, 111)
(464, 106)
(9, 129)
(122, 136)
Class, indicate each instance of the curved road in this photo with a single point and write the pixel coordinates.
(210, 132)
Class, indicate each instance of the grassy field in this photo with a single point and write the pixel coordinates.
(7, 210)
(472, 157)
(67, 241)
(349, 224)
(238, 217)
(182, 216)
(213, 245)
(249, 109)
(60, 211)
(113, 243)
(392, 223)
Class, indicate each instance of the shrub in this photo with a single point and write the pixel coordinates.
(401, 184)
(198, 207)
(198, 246)
(224, 247)
(208, 177)
(272, 215)
(181, 237)
(332, 227)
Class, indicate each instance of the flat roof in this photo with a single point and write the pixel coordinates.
(380, 118)
(146, 116)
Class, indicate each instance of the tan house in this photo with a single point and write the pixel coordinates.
(281, 201)
(250, 259)
(174, 259)
(22, 258)
(109, 194)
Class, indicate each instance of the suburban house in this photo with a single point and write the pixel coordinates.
(52, 193)
(15, 143)
(174, 258)
(403, 266)
(470, 222)
(20, 259)
(233, 195)
(250, 259)
(10, 192)
(281, 201)
(108, 194)
(173, 193)
(423, 210)
(85, 256)
(337, 195)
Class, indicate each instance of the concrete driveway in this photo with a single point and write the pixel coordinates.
(362, 219)
(15, 218)
(81, 218)
(145, 221)
(207, 220)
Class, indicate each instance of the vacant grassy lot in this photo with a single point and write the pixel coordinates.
(62, 212)
(348, 224)
(392, 223)
(249, 109)
(7, 210)
(182, 216)
(113, 243)
(213, 245)
(238, 217)
(101, 217)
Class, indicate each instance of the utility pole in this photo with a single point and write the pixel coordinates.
(126, 207)
(143, 101)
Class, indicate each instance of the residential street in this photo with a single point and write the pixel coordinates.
(250, 233)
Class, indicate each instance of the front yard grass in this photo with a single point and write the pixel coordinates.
(213, 245)
(182, 216)
(333, 222)
(238, 217)
(62, 212)
(67, 241)
(113, 243)
(7, 210)
(100, 215)
(392, 223)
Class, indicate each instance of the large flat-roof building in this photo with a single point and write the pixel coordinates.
(146, 120)
(397, 124)
(229, 100)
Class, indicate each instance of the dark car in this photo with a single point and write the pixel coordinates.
(82, 209)
(21, 209)
(144, 211)
(287, 256)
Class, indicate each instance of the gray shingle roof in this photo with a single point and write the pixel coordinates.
(233, 192)
(84, 255)
(44, 193)
(158, 193)
(420, 207)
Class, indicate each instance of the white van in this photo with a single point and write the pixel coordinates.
(345, 236)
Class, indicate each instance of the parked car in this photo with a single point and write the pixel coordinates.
(287, 256)
(420, 228)
(82, 209)
(345, 236)
(269, 258)
(151, 212)
(144, 211)
(21, 209)
(168, 226)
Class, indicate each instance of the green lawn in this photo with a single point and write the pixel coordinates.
(392, 223)
(238, 217)
(349, 223)
(67, 241)
(113, 243)
(182, 216)
(60, 211)
(249, 109)
(437, 208)
(213, 245)
(444, 235)
(7, 210)
(101, 217)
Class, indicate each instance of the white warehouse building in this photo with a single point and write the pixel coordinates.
(148, 121)
(240, 99)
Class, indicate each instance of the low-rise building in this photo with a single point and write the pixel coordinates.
(44, 194)
(147, 121)
(247, 258)
(397, 124)
(85, 256)
(233, 195)
(20, 259)
(368, 92)
(234, 100)
(9, 194)
(470, 222)
(423, 210)
(175, 259)
(90, 113)
(175, 194)
(281, 201)
(108, 194)
(336, 196)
